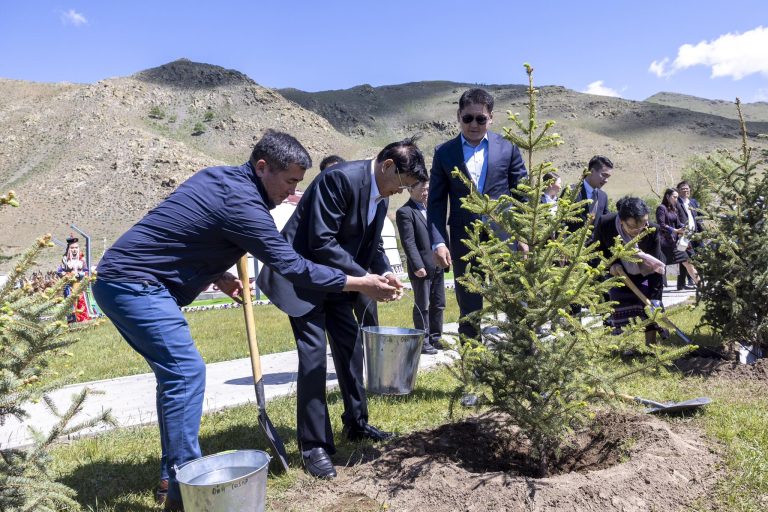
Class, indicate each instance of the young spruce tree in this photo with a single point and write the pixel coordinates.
(733, 260)
(541, 364)
(32, 329)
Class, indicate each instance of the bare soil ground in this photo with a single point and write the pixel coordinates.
(723, 368)
(623, 462)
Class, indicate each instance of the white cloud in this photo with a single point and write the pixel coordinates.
(72, 17)
(735, 55)
(599, 89)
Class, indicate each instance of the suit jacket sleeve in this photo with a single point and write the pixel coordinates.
(517, 170)
(252, 228)
(408, 239)
(651, 244)
(437, 202)
(327, 212)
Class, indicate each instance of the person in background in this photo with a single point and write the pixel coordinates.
(338, 222)
(599, 171)
(630, 221)
(552, 192)
(182, 246)
(73, 263)
(493, 165)
(427, 278)
(672, 230)
(688, 212)
(366, 309)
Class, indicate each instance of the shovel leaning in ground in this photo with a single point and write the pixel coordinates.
(278, 448)
(668, 407)
(647, 302)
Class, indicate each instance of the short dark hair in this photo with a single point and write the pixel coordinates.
(630, 207)
(476, 97)
(550, 176)
(330, 160)
(684, 182)
(407, 157)
(598, 162)
(280, 150)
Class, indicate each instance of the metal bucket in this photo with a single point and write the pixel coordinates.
(391, 359)
(233, 481)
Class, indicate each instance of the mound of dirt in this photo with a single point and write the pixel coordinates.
(622, 463)
(723, 368)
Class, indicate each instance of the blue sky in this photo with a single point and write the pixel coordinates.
(716, 50)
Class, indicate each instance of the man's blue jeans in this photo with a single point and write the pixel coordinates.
(149, 319)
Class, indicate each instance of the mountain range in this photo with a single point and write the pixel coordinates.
(101, 155)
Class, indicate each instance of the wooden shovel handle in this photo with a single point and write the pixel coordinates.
(627, 281)
(250, 322)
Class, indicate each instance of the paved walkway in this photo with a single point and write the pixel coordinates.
(229, 383)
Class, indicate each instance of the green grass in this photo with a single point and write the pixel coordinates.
(118, 470)
(102, 353)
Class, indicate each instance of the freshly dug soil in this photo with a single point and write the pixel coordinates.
(723, 368)
(624, 462)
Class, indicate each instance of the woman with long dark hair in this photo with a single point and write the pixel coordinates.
(673, 229)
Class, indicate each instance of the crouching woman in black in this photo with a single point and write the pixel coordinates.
(647, 274)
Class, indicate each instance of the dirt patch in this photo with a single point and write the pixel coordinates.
(723, 368)
(622, 463)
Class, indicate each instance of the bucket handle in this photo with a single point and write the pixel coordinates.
(421, 313)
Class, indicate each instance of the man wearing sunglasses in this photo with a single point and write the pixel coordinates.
(494, 166)
(338, 223)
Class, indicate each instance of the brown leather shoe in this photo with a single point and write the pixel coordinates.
(173, 506)
(161, 492)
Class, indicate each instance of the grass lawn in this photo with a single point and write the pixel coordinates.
(117, 471)
(102, 353)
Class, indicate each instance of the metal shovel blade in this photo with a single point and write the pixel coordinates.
(674, 407)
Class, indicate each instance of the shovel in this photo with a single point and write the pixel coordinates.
(647, 302)
(668, 407)
(278, 448)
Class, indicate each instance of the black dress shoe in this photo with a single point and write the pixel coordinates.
(438, 344)
(428, 349)
(318, 464)
(366, 432)
(173, 506)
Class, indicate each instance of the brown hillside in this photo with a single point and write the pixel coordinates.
(638, 136)
(100, 155)
(93, 156)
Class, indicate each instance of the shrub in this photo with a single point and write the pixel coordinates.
(156, 113)
(733, 261)
(198, 129)
(208, 117)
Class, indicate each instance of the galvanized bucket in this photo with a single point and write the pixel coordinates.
(391, 359)
(233, 481)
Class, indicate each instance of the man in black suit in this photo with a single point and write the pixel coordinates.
(338, 221)
(366, 310)
(599, 171)
(494, 167)
(426, 277)
(687, 212)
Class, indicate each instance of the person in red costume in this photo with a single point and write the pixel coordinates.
(73, 262)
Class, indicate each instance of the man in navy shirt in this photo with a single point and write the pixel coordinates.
(182, 246)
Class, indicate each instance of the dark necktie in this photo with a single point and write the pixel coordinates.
(593, 208)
